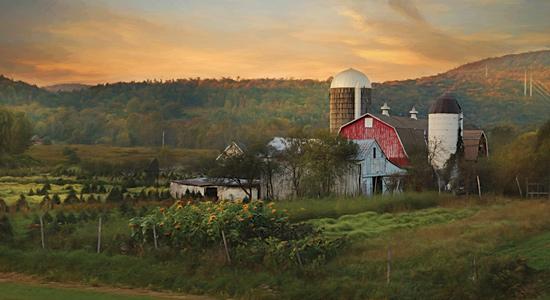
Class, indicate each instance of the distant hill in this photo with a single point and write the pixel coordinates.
(207, 113)
(66, 87)
(490, 90)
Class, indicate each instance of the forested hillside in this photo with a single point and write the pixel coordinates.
(207, 113)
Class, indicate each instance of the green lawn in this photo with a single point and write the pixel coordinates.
(16, 291)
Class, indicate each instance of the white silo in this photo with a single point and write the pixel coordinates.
(350, 97)
(444, 130)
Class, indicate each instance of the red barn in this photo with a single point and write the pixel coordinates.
(398, 137)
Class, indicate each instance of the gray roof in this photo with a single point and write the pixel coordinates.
(445, 104)
(411, 132)
(363, 147)
(204, 181)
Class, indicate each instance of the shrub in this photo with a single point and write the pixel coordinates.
(71, 198)
(22, 204)
(115, 195)
(3, 206)
(203, 225)
(55, 199)
(6, 230)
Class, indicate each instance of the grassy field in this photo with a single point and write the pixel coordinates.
(14, 291)
(371, 224)
(432, 254)
(332, 207)
(53, 154)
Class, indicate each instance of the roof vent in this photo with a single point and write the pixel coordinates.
(385, 109)
(413, 112)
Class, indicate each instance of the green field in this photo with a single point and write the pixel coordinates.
(15, 291)
(370, 224)
(53, 154)
(432, 252)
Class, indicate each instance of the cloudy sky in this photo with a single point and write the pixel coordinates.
(60, 41)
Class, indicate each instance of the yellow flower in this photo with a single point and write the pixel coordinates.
(211, 218)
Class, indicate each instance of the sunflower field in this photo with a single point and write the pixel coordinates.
(251, 233)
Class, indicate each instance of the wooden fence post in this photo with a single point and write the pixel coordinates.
(388, 267)
(474, 264)
(299, 260)
(155, 236)
(99, 236)
(226, 248)
(519, 187)
(42, 232)
(478, 186)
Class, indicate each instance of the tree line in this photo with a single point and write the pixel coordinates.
(15, 133)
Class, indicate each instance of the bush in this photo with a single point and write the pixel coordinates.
(202, 226)
(6, 230)
(22, 204)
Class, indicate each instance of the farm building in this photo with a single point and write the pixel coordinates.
(368, 174)
(401, 138)
(234, 148)
(213, 188)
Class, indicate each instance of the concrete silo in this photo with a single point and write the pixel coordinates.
(445, 129)
(350, 97)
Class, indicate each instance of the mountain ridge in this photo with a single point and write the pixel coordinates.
(210, 112)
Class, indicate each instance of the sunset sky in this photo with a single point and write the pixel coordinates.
(61, 41)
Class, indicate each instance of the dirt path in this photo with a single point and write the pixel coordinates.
(37, 281)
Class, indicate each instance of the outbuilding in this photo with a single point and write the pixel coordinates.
(213, 188)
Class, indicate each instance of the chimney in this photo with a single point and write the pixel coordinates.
(385, 109)
(413, 113)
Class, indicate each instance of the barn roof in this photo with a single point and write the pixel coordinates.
(412, 132)
(473, 140)
(205, 181)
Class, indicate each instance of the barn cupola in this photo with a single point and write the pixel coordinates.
(414, 113)
(385, 109)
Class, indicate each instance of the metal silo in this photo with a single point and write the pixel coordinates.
(444, 130)
(350, 97)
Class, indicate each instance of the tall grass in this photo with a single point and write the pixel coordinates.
(370, 224)
(333, 207)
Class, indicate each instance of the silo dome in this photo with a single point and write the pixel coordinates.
(350, 78)
(446, 104)
(350, 97)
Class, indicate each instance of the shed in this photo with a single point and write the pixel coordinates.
(214, 188)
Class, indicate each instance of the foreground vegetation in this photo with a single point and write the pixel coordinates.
(458, 249)
(20, 291)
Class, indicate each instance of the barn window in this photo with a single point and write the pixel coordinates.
(373, 152)
(368, 122)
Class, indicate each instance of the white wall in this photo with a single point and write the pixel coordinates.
(443, 132)
(376, 167)
(224, 193)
